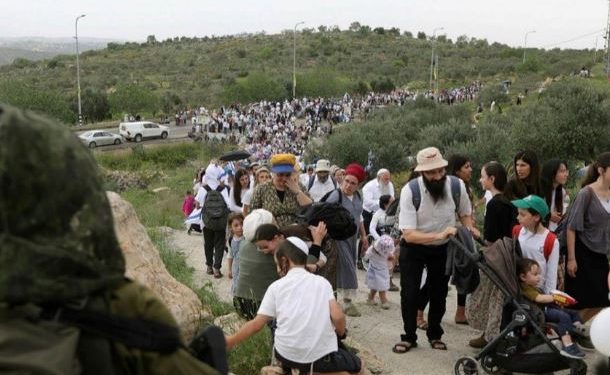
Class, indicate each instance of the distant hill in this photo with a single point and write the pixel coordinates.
(187, 72)
(39, 48)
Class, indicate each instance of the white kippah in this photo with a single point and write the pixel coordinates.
(299, 243)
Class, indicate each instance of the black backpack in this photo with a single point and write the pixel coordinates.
(339, 221)
(215, 211)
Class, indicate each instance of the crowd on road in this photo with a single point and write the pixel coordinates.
(265, 128)
(289, 247)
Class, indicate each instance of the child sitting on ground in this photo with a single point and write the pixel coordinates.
(308, 317)
(567, 320)
(236, 226)
(378, 273)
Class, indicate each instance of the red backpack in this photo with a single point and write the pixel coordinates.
(549, 241)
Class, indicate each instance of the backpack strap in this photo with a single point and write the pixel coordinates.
(312, 179)
(516, 230)
(415, 193)
(207, 188)
(549, 242)
(456, 192)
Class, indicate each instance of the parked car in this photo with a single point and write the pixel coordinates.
(139, 130)
(94, 138)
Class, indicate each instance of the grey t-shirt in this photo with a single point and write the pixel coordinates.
(592, 223)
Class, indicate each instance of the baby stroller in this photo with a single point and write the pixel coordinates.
(522, 345)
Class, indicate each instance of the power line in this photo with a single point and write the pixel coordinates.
(575, 38)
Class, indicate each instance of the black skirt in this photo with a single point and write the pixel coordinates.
(590, 286)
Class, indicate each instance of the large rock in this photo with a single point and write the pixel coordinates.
(144, 264)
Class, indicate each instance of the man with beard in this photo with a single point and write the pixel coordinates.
(426, 223)
(321, 183)
(371, 192)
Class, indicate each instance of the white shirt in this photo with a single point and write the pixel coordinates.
(371, 193)
(432, 217)
(319, 189)
(566, 203)
(300, 302)
(532, 247)
(379, 218)
(233, 205)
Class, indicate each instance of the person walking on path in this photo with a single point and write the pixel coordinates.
(427, 218)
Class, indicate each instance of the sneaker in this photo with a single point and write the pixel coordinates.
(584, 342)
(371, 302)
(351, 310)
(210, 271)
(478, 343)
(572, 351)
(385, 305)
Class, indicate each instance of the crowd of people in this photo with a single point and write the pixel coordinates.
(265, 128)
(437, 203)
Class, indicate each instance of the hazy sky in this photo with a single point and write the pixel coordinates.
(555, 21)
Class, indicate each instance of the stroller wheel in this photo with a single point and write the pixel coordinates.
(578, 368)
(466, 366)
(489, 365)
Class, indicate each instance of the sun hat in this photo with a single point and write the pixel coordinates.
(283, 163)
(356, 170)
(255, 219)
(322, 165)
(299, 243)
(385, 244)
(428, 159)
(535, 203)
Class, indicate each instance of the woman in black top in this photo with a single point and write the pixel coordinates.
(484, 307)
(526, 178)
(500, 214)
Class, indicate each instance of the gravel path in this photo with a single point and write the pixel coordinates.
(377, 330)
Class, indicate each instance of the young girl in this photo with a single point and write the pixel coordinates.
(533, 241)
(239, 190)
(554, 177)
(378, 273)
(236, 225)
(567, 321)
(308, 317)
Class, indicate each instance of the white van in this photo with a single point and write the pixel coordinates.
(138, 130)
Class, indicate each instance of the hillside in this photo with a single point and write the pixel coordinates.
(182, 72)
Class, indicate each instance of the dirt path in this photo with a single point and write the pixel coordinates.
(377, 330)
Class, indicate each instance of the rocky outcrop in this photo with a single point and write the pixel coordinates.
(144, 264)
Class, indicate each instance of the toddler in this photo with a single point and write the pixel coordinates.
(378, 273)
(567, 320)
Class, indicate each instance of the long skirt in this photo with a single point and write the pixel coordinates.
(590, 286)
(346, 264)
(484, 308)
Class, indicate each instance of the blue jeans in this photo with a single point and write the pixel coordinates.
(562, 317)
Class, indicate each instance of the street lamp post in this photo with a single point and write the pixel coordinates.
(525, 43)
(294, 59)
(80, 113)
(432, 57)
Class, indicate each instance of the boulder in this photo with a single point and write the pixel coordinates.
(144, 264)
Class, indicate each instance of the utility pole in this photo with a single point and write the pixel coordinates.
(294, 60)
(525, 43)
(432, 57)
(608, 44)
(80, 112)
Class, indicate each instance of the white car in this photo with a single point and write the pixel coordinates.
(139, 130)
(94, 138)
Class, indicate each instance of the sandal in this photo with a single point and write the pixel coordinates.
(403, 347)
(438, 345)
(422, 324)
